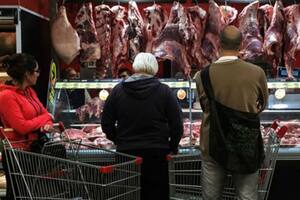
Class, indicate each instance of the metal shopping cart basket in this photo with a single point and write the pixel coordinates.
(82, 172)
(185, 171)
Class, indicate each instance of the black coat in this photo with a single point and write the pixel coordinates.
(142, 114)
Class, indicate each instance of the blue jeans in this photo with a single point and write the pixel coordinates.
(213, 178)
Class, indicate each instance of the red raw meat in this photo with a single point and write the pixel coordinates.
(215, 24)
(135, 31)
(119, 43)
(291, 36)
(104, 17)
(85, 27)
(155, 20)
(252, 44)
(172, 41)
(197, 20)
(274, 36)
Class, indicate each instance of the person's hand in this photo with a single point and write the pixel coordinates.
(49, 129)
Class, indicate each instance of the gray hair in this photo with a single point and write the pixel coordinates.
(145, 63)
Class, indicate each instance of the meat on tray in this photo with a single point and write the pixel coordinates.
(65, 39)
(190, 137)
(274, 36)
(94, 137)
(103, 21)
(292, 136)
(93, 109)
(155, 20)
(291, 36)
(252, 43)
(135, 31)
(85, 26)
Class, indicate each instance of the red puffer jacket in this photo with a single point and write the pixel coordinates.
(22, 111)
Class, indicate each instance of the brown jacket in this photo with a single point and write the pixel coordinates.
(236, 84)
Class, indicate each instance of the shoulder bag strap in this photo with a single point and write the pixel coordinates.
(207, 84)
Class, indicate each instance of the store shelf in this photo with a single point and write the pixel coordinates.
(105, 84)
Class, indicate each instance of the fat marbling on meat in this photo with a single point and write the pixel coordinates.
(135, 31)
(291, 36)
(252, 43)
(103, 20)
(85, 27)
(155, 20)
(119, 34)
(171, 43)
(274, 36)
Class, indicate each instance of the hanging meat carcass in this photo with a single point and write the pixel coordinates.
(274, 36)
(197, 21)
(119, 44)
(229, 14)
(215, 24)
(155, 20)
(252, 44)
(64, 37)
(171, 44)
(85, 27)
(135, 31)
(104, 17)
(264, 15)
(291, 36)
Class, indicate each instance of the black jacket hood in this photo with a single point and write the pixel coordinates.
(142, 88)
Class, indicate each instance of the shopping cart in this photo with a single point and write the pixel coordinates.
(81, 172)
(185, 171)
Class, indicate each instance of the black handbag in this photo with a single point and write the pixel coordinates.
(37, 145)
(235, 140)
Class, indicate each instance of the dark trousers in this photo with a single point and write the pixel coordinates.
(154, 173)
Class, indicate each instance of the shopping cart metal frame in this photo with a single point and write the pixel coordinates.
(85, 172)
(185, 171)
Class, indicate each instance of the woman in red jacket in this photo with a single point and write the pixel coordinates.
(20, 108)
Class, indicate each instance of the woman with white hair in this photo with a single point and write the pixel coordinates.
(143, 118)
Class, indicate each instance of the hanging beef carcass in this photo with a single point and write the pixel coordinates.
(229, 14)
(135, 31)
(197, 21)
(171, 43)
(119, 44)
(291, 36)
(215, 24)
(264, 15)
(155, 20)
(252, 43)
(274, 36)
(65, 39)
(85, 27)
(104, 17)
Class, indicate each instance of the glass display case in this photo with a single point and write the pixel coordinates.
(79, 103)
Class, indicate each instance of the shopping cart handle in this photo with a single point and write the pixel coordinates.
(282, 131)
(61, 126)
(274, 126)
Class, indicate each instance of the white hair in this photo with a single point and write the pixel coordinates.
(145, 63)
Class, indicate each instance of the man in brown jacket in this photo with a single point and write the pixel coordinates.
(239, 85)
